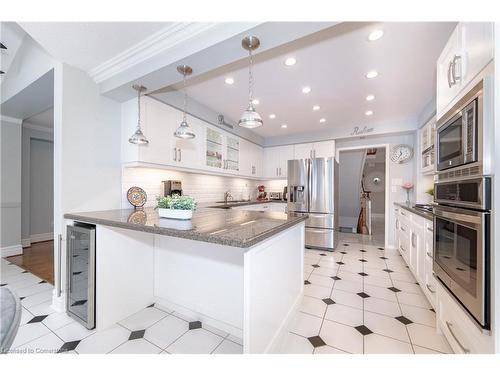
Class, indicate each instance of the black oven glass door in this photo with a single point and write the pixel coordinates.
(450, 144)
(470, 193)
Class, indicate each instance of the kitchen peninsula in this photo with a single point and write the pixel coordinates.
(238, 271)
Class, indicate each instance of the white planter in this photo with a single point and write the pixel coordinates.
(175, 214)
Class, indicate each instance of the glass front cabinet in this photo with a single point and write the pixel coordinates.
(223, 151)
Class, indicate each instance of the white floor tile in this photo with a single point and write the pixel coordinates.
(421, 350)
(237, 340)
(413, 300)
(383, 282)
(376, 344)
(195, 341)
(324, 271)
(427, 337)
(73, 331)
(407, 287)
(344, 314)
(57, 320)
(163, 308)
(26, 316)
(228, 347)
(347, 298)
(313, 306)
(34, 289)
(166, 331)
(342, 337)
(46, 344)
(305, 325)
(294, 344)
(43, 308)
(29, 332)
(382, 306)
(317, 291)
(321, 280)
(143, 319)
(103, 341)
(419, 315)
(386, 325)
(403, 276)
(37, 299)
(349, 286)
(380, 292)
(325, 349)
(138, 346)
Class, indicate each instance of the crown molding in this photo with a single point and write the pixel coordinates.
(13, 120)
(27, 125)
(153, 45)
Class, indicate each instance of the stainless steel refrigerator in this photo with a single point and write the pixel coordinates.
(313, 189)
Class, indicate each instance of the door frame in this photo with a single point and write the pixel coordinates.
(387, 185)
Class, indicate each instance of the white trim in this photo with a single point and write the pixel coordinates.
(13, 120)
(9, 251)
(155, 44)
(25, 242)
(27, 125)
(58, 303)
(41, 237)
(10, 204)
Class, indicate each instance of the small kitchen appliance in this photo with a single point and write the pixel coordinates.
(262, 195)
(172, 187)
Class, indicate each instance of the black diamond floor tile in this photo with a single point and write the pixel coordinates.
(24, 272)
(363, 295)
(315, 265)
(363, 251)
(307, 282)
(21, 298)
(432, 310)
(395, 290)
(383, 258)
(387, 270)
(68, 346)
(323, 255)
(78, 303)
(195, 325)
(77, 273)
(403, 320)
(363, 260)
(343, 252)
(134, 335)
(3, 284)
(346, 244)
(381, 248)
(364, 330)
(335, 278)
(362, 274)
(316, 341)
(341, 263)
(328, 301)
(42, 282)
(37, 319)
(152, 305)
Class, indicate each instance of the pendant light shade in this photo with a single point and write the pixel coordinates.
(250, 118)
(138, 138)
(184, 130)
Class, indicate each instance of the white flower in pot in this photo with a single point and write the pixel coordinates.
(176, 207)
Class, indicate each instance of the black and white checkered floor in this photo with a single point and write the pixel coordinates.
(359, 299)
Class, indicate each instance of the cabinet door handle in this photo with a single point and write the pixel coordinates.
(456, 58)
(280, 171)
(429, 289)
(403, 229)
(175, 154)
(449, 73)
(277, 172)
(430, 229)
(413, 239)
(402, 248)
(180, 154)
(397, 224)
(402, 213)
(464, 349)
(429, 255)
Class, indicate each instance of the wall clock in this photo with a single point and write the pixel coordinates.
(401, 154)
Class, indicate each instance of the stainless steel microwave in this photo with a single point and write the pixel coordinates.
(459, 132)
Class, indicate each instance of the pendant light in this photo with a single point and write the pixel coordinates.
(184, 130)
(138, 138)
(250, 118)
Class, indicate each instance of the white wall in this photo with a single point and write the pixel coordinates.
(397, 173)
(10, 186)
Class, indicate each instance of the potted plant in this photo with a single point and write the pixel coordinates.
(176, 207)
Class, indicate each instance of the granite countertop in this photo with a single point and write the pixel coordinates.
(235, 228)
(419, 211)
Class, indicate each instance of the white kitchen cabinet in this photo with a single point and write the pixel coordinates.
(468, 51)
(427, 135)
(186, 152)
(222, 151)
(267, 206)
(323, 149)
(251, 156)
(429, 280)
(276, 161)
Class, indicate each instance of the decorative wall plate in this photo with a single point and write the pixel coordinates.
(136, 196)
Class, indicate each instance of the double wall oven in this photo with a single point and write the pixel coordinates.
(462, 216)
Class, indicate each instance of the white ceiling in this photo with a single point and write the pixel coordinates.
(86, 45)
(333, 63)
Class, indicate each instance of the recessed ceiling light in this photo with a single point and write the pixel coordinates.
(272, 115)
(255, 101)
(229, 80)
(369, 113)
(306, 90)
(375, 35)
(371, 74)
(283, 126)
(316, 107)
(322, 120)
(370, 97)
(290, 61)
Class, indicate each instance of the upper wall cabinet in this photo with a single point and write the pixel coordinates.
(468, 51)
(427, 135)
(251, 156)
(314, 150)
(276, 161)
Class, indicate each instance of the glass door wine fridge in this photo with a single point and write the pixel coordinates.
(80, 285)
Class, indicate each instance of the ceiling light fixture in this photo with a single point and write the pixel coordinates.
(369, 113)
(375, 35)
(229, 80)
(284, 126)
(138, 138)
(306, 90)
(184, 130)
(322, 120)
(272, 116)
(370, 97)
(290, 61)
(255, 101)
(250, 118)
(371, 74)
(316, 108)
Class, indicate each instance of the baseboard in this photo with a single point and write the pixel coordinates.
(58, 303)
(9, 251)
(26, 242)
(41, 237)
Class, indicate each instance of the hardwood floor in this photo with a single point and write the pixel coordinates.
(37, 259)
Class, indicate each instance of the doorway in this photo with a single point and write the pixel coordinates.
(363, 194)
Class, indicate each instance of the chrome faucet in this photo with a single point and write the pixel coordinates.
(227, 197)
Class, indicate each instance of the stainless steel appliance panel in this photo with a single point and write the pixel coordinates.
(298, 185)
(321, 185)
(80, 265)
(320, 238)
(469, 193)
(320, 221)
